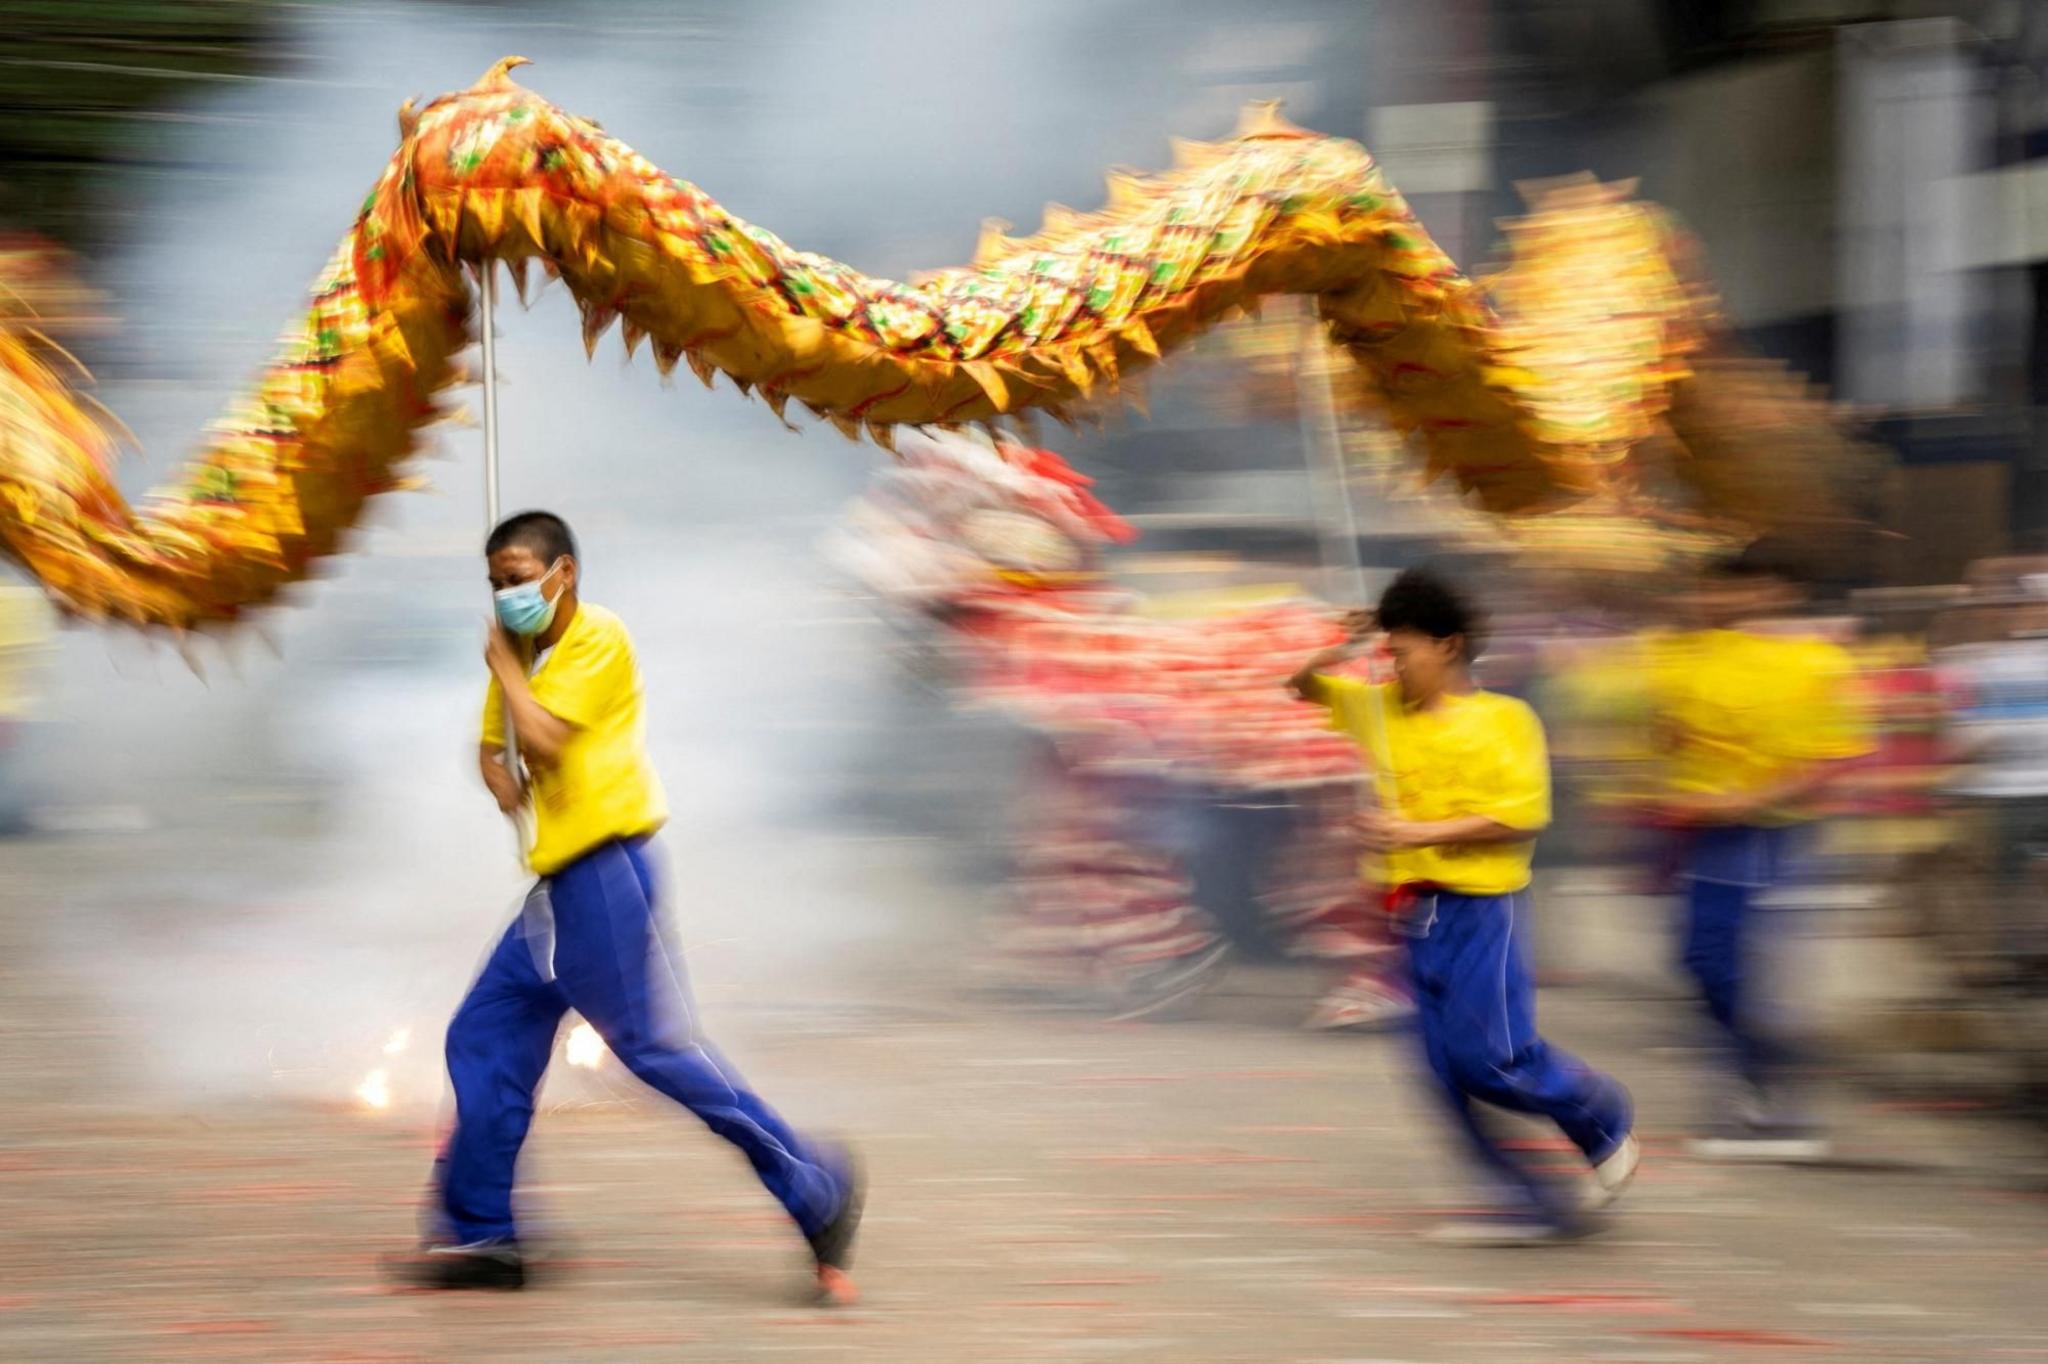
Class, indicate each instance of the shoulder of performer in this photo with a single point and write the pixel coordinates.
(1513, 715)
(591, 670)
(596, 627)
(1826, 656)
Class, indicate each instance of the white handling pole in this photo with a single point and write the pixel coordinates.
(1328, 476)
(489, 277)
(488, 303)
(1325, 444)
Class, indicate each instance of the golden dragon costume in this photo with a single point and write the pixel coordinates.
(1538, 404)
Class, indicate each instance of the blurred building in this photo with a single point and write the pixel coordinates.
(91, 89)
(1869, 178)
(1858, 170)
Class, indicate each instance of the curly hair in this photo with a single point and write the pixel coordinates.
(1422, 601)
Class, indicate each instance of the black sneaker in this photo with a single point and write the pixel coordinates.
(487, 1265)
(832, 1244)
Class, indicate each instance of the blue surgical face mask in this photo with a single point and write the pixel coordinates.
(524, 610)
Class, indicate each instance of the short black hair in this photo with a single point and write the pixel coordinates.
(547, 535)
(1768, 558)
(1423, 601)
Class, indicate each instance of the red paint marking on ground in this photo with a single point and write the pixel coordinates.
(1198, 1197)
(1741, 1337)
(1085, 1304)
(1041, 1241)
(1581, 1302)
(1220, 1158)
(264, 1193)
(1266, 1075)
(16, 1304)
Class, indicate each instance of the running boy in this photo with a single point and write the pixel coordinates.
(1467, 788)
(588, 937)
(1754, 726)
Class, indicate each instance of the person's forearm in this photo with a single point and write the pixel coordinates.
(541, 733)
(1793, 786)
(499, 779)
(1739, 807)
(1468, 829)
(1801, 783)
(1302, 684)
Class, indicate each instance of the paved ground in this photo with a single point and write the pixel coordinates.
(1222, 1188)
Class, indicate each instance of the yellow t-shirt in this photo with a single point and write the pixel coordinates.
(1743, 711)
(1479, 753)
(602, 787)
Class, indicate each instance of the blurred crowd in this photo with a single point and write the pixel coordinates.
(1180, 809)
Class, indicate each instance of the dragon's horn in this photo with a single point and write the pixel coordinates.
(499, 77)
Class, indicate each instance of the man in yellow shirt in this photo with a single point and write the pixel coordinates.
(1463, 787)
(589, 937)
(1753, 726)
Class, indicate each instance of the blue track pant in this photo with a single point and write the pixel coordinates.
(1727, 869)
(588, 939)
(1476, 1009)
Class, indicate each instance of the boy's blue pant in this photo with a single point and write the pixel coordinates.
(1727, 868)
(588, 939)
(1476, 1009)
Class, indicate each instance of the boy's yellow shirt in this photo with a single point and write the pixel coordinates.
(1743, 711)
(1478, 753)
(602, 787)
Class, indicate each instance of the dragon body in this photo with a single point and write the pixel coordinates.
(1525, 409)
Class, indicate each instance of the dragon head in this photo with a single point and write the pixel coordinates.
(959, 519)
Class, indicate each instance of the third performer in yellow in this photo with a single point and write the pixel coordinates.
(1753, 726)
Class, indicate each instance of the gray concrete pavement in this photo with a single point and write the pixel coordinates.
(1221, 1188)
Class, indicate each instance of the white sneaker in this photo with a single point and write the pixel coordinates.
(1612, 1175)
(1497, 1232)
(1762, 1150)
(1359, 1003)
(1158, 989)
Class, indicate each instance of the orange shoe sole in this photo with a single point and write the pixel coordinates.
(836, 1287)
